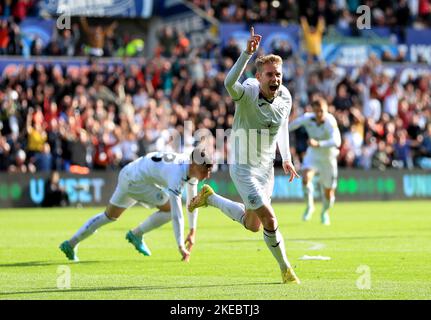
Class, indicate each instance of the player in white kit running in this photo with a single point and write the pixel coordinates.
(320, 157)
(261, 118)
(155, 180)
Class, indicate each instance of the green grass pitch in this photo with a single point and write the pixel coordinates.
(378, 250)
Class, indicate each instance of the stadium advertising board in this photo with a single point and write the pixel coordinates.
(271, 35)
(96, 189)
(419, 43)
(99, 8)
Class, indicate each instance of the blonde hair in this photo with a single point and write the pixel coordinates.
(270, 58)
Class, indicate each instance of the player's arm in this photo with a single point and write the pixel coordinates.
(84, 24)
(178, 221)
(321, 25)
(284, 147)
(297, 123)
(233, 86)
(192, 191)
(335, 137)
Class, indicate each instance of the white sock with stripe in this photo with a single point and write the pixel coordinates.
(275, 242)
(156, 220)
(89, 228)
(234, 210)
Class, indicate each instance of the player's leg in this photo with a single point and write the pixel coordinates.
(207, 196)
(118, 203)
(308, 188)
(111, 214)
(232, 209)
(259, 185)
(275, 242)
(328, 182)
(154, 197)
(154, 221)
(328, 200)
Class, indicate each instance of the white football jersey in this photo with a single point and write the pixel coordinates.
(166, 169)
(327, 133)
(259, 120)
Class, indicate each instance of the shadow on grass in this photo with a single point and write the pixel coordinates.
(137, 288)
(45, 263)
(325, 239)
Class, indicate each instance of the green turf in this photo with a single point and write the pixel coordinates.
(393, 239)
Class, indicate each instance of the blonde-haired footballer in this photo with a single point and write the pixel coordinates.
(263, 106)
(320, 157)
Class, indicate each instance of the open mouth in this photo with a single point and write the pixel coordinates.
(273, 87)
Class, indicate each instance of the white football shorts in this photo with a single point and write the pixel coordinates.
(325, 166)
(127, 193)
(254, 185)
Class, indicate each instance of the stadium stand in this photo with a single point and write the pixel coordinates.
(102, 116)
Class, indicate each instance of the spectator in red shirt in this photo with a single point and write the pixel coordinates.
(4, 36)
(21, 8)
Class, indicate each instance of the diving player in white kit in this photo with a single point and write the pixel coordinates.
(156, 180)
(320, 157)
(260, 123)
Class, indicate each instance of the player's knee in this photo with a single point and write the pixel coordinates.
(271, 224)
(253, 227)
(165, 207)
(113, 212)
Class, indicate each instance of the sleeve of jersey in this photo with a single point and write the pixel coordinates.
(297, 123)
(335, 140)
(192, 191)
(177, 218)
(233, 86)
(283, 141)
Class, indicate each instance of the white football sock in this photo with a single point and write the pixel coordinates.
(89, 228)
(309, 194)
(275, 242)
(156, 220)
(327, 204)
(234, 210)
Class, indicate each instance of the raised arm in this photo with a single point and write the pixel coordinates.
(233, 86)
(84, 24)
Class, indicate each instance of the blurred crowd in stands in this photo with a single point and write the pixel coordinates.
(340, 13)
(102, 116)
(100, 40)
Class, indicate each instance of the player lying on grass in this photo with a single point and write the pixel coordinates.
(263, 106)
(156, 180)
(320, 157)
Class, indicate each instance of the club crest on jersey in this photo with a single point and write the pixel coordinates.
(252, 199)
(160, 196)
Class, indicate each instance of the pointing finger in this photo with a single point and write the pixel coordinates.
(252, 32)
